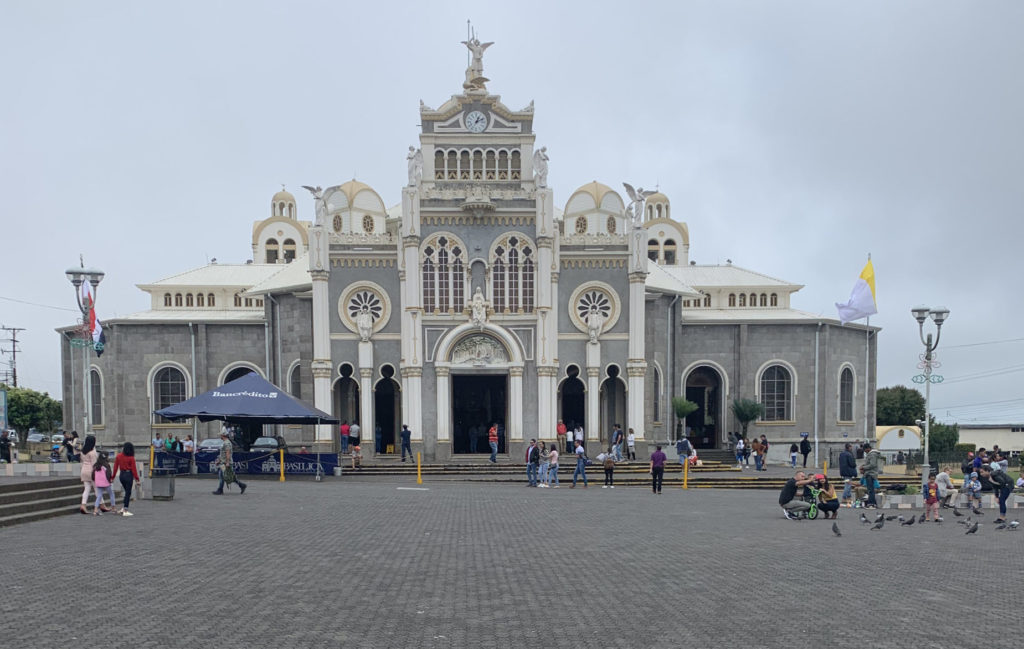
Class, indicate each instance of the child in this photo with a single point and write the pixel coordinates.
(793, 450)
(609, 471)
(55, 454)
(931, 499)
(847, 500)
(974, 490)
(101, 476)
(631, 444)
(861, 491)
(124, 466)
(357, 457)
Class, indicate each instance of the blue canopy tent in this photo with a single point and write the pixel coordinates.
(250, 399)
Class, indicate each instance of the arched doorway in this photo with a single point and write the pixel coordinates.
(704, 425)
(478, 401)
(387, 410)
(613, 404)
(244, 434)
(346, 396)
(572, 401)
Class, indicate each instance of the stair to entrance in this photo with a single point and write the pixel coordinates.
(32, 500)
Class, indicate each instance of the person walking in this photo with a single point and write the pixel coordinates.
(378, 439)
(226, 465)
(755, 448)
(353, 434)
(532, 459)
(618, 437)
(805, 449)
(847, 471)
(793, 450)
(101, 477)
(764, 453)
(89, 456)
(581, 465)
(406, 442)
(683, 449)
(545, 464)
(553, 468)
(609, 471)
(657, 469)
(740, 446)
(871, 468)
(126, 470)
(560, 431)
(343, 435)
(577, 435)
(631, 445)
(492, 439)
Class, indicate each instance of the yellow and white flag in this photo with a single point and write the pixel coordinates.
(862, 298)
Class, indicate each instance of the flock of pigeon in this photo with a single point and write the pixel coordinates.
(971, 525)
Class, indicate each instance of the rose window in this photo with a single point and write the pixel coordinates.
(367, 224)
(337, 222)
(367, 299)
(581, 225)
(591, 301)
(611, 225)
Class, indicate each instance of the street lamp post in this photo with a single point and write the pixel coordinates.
(928, 363)
(79, 276)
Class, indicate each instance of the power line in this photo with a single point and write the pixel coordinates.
(989, 342)
(13, 351)
(981, 403)
(45, 306)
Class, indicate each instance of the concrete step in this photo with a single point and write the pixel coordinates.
(38, 514)
(70, 502)
(28, 484)
(29, 495)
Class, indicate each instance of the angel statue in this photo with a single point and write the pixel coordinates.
(595, 322)
(475, 79)
(415, 159)
(364, 323)
(637, 199)
(321, 206)
(540, 167)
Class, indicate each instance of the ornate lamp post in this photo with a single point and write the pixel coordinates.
(928, 363)
(78, 276)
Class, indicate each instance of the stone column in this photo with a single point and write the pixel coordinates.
(593, 392)
(547, 411)
(365, 391)
(515, 405)
(321, 364)
(412, 412)
(444, 410)
(636, 362)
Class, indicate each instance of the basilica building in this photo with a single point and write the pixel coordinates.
(478, 299)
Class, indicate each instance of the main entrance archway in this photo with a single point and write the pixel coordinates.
(572, 401)
(387, 411)
(346, 397)
(704, 425)
(613, 404)
(478, 402)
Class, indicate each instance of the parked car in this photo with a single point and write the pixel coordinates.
(212, 444)
(37, 438)
(268, 444)
(56, 439)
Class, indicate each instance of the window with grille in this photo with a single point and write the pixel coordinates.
(96, 396)
(444, 275)
(168, 389)
(513, 275)
(776, 393)
(846, 395)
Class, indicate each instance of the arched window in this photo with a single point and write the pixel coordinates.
(707, 301)
(581, 225)
(503, 166)
(272, 251)
(280, 209)
(464, 165)
(490, 165)
(248, 301)
(777, 394)
(210, 301)
(295, 382)
(511, 256)
(846, 395)
(753, 299)
(289, 250)
(764, 300)
(200, 299)
(177, 299)
(732, 299)
(653, 249)
(438, 165)
(657, 211)
(168, 389)
(444, 275)
(167, 299)
(96, 397)
(478, 165)
(657, 394)
(611, 225)
(743, 299)
(670, 251)
(515, 164)
(452, 166)
(775, 299)
(189, 300)
(238, 300)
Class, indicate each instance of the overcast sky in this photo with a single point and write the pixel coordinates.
(792, 137)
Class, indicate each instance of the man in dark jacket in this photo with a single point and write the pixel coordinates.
(847, 470)
(872, 466)
(532, 459)
(1002, 485)
(805, 449)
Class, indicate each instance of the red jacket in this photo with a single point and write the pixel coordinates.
(125, 463)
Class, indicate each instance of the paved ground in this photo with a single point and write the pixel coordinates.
(359, 564)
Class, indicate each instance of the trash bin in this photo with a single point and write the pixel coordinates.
(161, 485)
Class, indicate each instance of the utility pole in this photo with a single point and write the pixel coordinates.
(14, 351)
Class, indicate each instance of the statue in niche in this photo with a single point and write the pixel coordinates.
(415, 159)
(637, 199)
(364, 323)
(595, 322)
(540, 167)
(478, 309)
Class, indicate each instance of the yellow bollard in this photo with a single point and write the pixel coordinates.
(686, 473)
(824, 471)
(281, 451)
(151, 453)
(419, 475)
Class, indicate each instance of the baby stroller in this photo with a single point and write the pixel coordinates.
(55, 453)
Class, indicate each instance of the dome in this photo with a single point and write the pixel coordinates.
(594, 196)
(657, 197)
(353, 187)
(283, 195)
(283, 204)
(595, 189)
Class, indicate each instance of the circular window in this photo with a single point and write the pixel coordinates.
(337, 222)
(581, 225)
(611, 225)
(594, 301)
(367, 224)
(365, 300)
(594, 296)
(364, 296)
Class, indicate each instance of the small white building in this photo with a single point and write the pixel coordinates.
(1009, 437)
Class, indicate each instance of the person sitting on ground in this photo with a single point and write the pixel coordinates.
(828, 500)
(791, 505)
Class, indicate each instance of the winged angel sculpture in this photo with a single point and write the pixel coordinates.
(637, 199)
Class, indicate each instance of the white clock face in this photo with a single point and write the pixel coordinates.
(476, 122)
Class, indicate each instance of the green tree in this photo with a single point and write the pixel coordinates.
(30, 409)
(942, 438)
(898, 406)
(683, 409)
(746, 411)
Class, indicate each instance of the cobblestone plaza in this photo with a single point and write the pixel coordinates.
(348, 563)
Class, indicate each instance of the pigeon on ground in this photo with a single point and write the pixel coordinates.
(835, 530)
(977, 512)
(972, 529)
(878, 525)
(890, 517)
(879, 517)
(966, 522)
(956, 512)
(1001, 526)
(939, 519)
(922, 518)
(1014, 525)
(901, 519)
(907, 523)
(863, 518)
